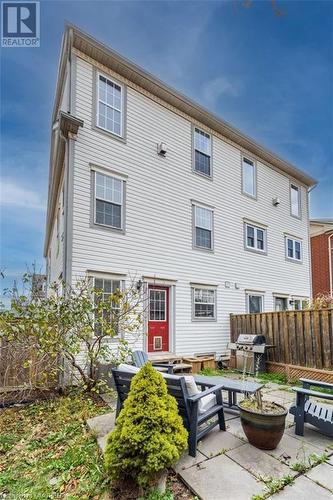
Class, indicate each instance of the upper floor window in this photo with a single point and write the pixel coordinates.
(249, 177)
(109, 201)
(295, 205)
(204, 303)
(203, 227)
(110, 106)
(255, 238)
(293, 249)
(202, 152)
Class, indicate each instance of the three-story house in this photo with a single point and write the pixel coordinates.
(146, 183)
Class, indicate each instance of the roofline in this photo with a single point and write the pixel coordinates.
(133, 72)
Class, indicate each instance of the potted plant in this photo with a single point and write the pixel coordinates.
(263, 422)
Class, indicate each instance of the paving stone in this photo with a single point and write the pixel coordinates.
(187, 461)
(102, 424)
(303, 488)
(330, 461)
(289, 396)
(235, 427)
(323, 475)
(217, 441)
(313, 437)
(101, 441)
(221, 479)
(291, 450)
(230, 414)
(258, 462)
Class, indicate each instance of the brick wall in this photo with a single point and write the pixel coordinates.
(320, 264)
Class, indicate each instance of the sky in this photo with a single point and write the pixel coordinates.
(269, 75)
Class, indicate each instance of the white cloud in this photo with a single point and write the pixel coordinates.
(213, 89)
(20, 196)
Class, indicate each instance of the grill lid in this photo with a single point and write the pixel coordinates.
(248, 339)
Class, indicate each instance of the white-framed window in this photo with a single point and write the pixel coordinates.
(293, 249)
(203, 303)
(202, 152)
(299, 303)
(108, 201)
(110, 105)
(249, 177)
(203, 227)
(255, 238)
(157, 305)
(254, 302)
(107, 288)
(280, 303)
(295, 200)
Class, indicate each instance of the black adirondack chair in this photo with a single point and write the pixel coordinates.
(140, 358)
(307, 411)
(188, 406)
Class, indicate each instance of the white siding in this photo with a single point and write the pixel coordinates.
(57, 250)
(158, 238)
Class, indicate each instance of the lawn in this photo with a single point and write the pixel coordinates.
(46, 451)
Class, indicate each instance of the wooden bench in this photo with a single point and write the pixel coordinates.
(307, 411)
(188, 406)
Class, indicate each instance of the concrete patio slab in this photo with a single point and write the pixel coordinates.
(291, 450)
(221, 479)
(322, 474)
(102, 424)
(218, 441)
(313, 437)
(187, 461)
(303, 488)
(258, 462)
(101, 441)
(235, 427)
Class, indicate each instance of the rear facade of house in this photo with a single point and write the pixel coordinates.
(146, 185)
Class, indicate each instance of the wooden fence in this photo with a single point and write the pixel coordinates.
(303, 339)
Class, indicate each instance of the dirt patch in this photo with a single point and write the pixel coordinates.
(268, 407)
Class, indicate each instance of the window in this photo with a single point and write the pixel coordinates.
(109, 106)
(254, 303)
(255, 238)
(280, 303)
(203, 226)
(157, 305)
(299, 303)
(204, 303)
(202, 152)
(107, 287)
(249, 177)
(293, 249)
(295, 206)
(109, 195)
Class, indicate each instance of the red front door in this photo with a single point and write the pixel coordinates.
(158, 320)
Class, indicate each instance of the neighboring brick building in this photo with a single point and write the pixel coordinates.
(321, 233)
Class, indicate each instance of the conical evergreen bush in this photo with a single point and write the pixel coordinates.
(149, 435)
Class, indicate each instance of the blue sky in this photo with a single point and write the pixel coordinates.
(270, 76)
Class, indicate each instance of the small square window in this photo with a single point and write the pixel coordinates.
(255, 238)
(254, 303)
(293, 249)
(204, 303)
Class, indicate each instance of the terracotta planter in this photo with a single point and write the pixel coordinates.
(263, 430)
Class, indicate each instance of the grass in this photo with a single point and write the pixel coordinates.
(273, 485)
(312, 460)
(46, 451)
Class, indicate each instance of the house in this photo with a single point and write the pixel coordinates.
(145, 182)
(321, 233)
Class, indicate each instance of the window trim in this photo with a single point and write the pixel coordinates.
(255, 249)
(202, 174)
(245, 193)
(194, 245)
(294, 240)
(113, 80)
(203, 287)
(254, 293)
(295, 185)
(286, 297)
(119, 177)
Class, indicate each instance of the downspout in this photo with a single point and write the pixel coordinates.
(330, 263)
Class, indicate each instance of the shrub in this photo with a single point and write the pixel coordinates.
(149, 435)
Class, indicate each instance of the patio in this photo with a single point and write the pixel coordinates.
(227, 467)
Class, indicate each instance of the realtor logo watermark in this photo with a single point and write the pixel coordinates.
(20, 24)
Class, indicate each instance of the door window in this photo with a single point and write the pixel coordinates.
(157, 309)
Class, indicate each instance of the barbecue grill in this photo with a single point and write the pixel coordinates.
(251, 353)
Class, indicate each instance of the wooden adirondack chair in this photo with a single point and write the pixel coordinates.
(188, 406)
(140, 358)
(312, 412)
